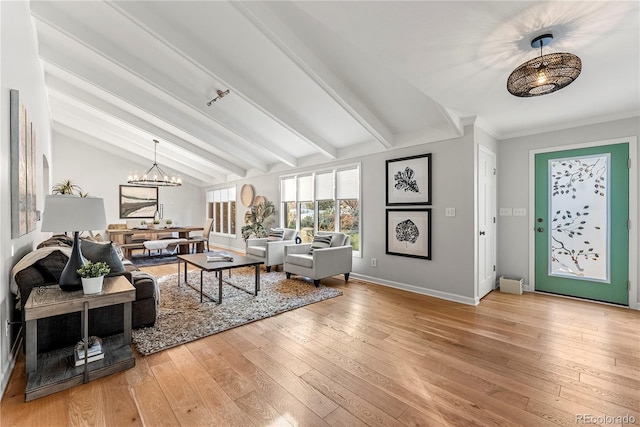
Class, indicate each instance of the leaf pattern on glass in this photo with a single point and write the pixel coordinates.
(405, 181)
(407, 231)
(570, 249)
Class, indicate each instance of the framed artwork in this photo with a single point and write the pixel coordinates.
(138, 202)
(409, 232)
(23, 168)
(409, 180)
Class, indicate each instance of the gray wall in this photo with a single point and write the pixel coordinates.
(513, 186)
(449, 274)
(20, 69)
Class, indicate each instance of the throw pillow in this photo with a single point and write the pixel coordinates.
(320, 242)
(105, 252)
(276, 234)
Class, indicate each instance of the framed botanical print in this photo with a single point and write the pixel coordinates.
(138, 202)
(409, 180)
(409, 232)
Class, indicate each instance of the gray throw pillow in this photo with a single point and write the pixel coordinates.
(102, 252)
(276, 234)
(320, 242)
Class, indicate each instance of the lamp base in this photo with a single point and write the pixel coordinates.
(69, 279)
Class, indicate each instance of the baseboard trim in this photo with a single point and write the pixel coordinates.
(418, 290)
(6, 374)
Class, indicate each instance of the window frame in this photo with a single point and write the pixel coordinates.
(337, 202)
(216, 200)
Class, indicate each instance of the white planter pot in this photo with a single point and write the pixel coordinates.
(92, 285)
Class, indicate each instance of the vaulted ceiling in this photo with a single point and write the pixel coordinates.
(315, 81)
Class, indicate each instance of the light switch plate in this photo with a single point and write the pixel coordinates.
(449, 211)
(506, 211)
(520, 212)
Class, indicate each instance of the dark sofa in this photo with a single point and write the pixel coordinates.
(65, 330)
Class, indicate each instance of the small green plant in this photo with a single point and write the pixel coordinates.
(156, 221)
(168, 222)
(68, 187)
(93, 269)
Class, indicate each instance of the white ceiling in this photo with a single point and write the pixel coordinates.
(311, 82)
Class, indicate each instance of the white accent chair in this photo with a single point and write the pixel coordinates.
(325, 262)
(271, 251)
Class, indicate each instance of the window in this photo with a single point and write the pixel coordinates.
(222, 208)
(327, 200)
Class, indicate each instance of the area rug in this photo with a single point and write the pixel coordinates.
(146, 260)
(183, 318)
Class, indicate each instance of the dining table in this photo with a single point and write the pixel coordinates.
(125, 235)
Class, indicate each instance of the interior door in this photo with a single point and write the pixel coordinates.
(486, 221)
(581, 223)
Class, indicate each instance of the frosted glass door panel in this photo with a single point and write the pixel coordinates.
(579, 209)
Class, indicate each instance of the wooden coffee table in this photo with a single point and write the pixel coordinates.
(200, 261)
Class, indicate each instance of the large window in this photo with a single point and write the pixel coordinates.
(327, 200)
(222, 208)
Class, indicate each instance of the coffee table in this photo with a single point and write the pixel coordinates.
(200, 261)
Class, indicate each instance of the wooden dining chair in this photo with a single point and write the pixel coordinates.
(193, 241)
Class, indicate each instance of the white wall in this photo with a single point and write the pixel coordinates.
(449, 274)
(513, 186)
(100, 174)
(20, 69)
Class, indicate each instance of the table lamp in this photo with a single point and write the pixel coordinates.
(64, 213)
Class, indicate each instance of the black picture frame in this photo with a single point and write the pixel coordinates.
(409, 233)
(408, 180)
(138, 201)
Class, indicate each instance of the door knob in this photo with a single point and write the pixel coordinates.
(540, 229)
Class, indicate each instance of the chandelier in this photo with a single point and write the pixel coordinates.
(155, 176)
(545, 74)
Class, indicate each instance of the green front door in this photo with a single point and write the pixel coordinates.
(581, 222)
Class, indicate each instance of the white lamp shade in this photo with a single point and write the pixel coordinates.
(64, 213)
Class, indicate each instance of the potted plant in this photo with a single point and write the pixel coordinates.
(168, 222)
(92, 275)
(256, 220)
(67, 187)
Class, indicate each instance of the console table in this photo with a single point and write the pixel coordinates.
(55, 370)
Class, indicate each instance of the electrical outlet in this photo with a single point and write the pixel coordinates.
(374, 262)
(449, 211)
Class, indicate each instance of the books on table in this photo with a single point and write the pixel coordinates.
(219, 258)
(94, 351)
(80, 362)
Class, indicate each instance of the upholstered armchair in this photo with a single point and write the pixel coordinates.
(322, 262)
(269, 249)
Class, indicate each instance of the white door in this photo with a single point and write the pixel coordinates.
(486, 221)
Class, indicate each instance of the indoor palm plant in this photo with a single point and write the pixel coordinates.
(256, 220)
(92, 275)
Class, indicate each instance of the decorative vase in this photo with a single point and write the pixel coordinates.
(92, 285)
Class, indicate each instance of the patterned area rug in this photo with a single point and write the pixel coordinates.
(183, 318)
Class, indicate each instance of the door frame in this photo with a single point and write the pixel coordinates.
(633, 209)
(494, 204)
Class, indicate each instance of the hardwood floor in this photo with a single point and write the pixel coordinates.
(375, 356)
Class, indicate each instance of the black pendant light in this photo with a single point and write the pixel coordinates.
(545, 74)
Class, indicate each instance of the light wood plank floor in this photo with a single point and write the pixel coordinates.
(379, 357)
